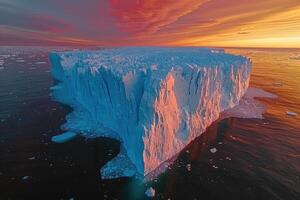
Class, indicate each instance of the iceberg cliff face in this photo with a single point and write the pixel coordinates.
(154, 100)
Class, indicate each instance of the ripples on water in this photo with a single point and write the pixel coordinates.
(254, 158)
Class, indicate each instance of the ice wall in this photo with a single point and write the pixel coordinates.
(154, 100)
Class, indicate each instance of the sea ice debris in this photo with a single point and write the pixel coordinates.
(228, 158)
(40, 63)
(189, 167)
(20, 60)
(290, 113)
(213, 150)
(31, 158)
(25, 177)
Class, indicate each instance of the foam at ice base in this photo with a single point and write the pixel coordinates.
(154, 100)
(64, 137)
(248, 106)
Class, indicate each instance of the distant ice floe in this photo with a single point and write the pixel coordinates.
(20, 60)
(277, 84)
(25, 177)
(295, 57)
(291, 113)
(40, 63)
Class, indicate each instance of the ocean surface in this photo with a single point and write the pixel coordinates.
(255, 159)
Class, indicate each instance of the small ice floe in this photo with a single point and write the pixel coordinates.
(65, 137)
(290, 113)
(150, 192)
(232, 137)
(25, 177)
(40, 63)
(20, 60)
(213, 150)
(215, 166)
(228, 158)
(31, 158)
(216, 51)
(294, 57)
(277, 84)
(189, 167)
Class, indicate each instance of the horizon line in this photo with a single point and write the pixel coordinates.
(110, 46)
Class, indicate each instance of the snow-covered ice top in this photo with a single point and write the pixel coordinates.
(124, 60)
(154, 100)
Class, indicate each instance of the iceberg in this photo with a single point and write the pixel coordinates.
(155, 100)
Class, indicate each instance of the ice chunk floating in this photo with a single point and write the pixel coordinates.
(154, 100)
(65, 137)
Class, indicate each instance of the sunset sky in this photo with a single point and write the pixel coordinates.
(234, 23)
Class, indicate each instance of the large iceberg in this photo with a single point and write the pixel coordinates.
(154, 100)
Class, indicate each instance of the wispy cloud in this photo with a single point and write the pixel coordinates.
(150, 22)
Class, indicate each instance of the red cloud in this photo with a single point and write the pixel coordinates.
(149, 16)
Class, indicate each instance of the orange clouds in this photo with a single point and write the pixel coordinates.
(209, 22)
(265, 26)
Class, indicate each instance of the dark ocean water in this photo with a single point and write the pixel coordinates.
(255, 158)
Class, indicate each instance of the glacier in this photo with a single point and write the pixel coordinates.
(154, 100)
